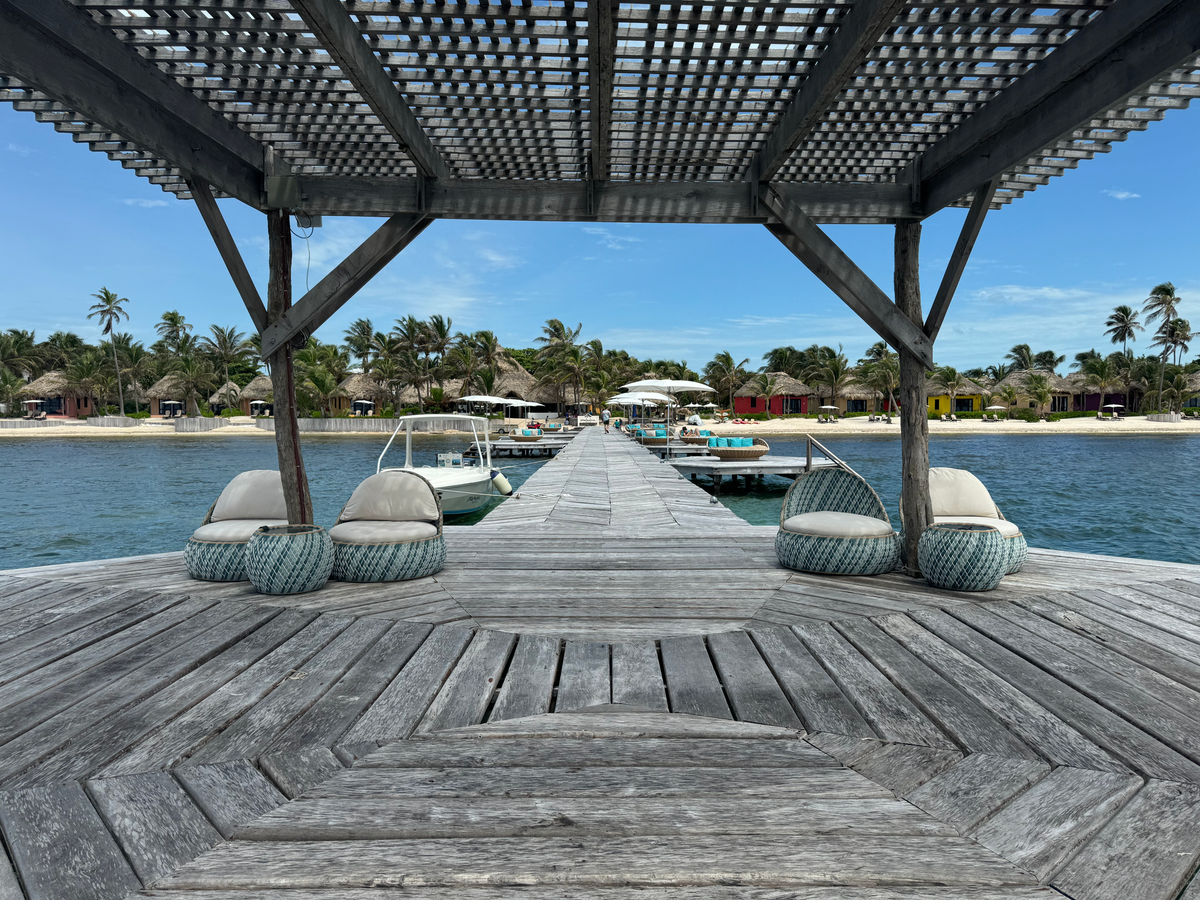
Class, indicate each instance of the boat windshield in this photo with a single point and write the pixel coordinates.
(479, 426)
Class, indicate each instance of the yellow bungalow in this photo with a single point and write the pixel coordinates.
(969, 399)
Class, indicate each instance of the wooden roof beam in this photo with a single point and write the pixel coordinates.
(229, 252)
(50, 45)
(1119, 53)
(602, 48)
(857, 34)
(346, 280)
(828, 262)
(339, 34)
(980, 205)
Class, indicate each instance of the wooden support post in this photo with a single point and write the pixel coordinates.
(283, 380)
(915, 510)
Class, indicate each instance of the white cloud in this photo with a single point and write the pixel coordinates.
(610, 240)
(145, 204)
(498, 260)
(1121, 195)
(19, 149)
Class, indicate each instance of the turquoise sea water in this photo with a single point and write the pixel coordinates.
(1119, 496)
(79, 498)
(76, 499)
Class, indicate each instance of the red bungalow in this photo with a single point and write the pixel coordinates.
(791, 397)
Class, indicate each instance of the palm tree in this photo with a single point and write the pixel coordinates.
(999, 371)
(765, 385)
(18, 352)
(10, 384)
(1021, 357)
(1176, 391)
(226, 346)
(1037, 388)
(463, 362)
(438, 335)
(1103, 375)
(949, 380)
(490, 351)
(1048, 360)
(1083, 357)
(784, 359)
(882, 375)
(1011, 396)
(85, 374)
(1162, 305)
(1123, 326)
(831, 369)
(1179, 333)
(110, 310)
(555, 335)
(196, 378)
(172, 328)
(321, 384)
(726, 374)
(139, 366)
(359, 338)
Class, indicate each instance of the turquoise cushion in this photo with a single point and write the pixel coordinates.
(705, 433)
(660, 433)
(722, 442)
(747, 442)
(714, 442)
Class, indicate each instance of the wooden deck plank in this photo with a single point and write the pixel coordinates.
(692, 683)
(110, 720)
(652, 892)
(396, 712)
(252, 732)
(901, 768)
(61, 847)
(968, 792)
(468, 690)
(753, 692)
(323, 724)
(586, 676)
(637, 676)
(528, 687)
(1149, 849)
(156, 823)
(1042, 828)
(1113, 733)
(955, 713)
(892, 715)
(296, 771)
(231, 793)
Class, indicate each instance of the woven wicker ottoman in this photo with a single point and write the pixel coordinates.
(963, 557)
(289, 559)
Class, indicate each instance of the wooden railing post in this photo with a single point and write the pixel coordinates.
(283, 379)
(915, 512)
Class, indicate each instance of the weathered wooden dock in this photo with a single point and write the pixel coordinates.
(612, 686)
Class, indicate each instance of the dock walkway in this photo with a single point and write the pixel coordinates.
(612, 685)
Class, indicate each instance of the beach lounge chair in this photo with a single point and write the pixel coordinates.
(833, 523)
(959, 497)
(953, 418)
(389, 530)
(216, 551)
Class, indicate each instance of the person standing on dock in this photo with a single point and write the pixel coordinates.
(604, 417)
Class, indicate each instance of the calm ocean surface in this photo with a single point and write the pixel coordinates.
(76, 499)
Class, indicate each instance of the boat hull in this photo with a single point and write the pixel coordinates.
(461, 491)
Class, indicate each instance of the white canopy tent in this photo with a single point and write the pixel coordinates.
(671, 387)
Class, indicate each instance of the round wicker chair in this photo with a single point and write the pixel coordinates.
(759, 448)
(700, 440)
(527, 436)
(389, 530)
(216, 551)
(833, 523)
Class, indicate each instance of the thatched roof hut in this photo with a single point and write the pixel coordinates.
(259, 388)
(52, 384)
(227, 394)
(166, 388)
(785, 384)
(934, 389)
(856, 390)
(135, 392)
(515, 382)
(361, 387)
(1058, 384)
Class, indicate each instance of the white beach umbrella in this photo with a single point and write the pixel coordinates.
(997, 407)
(834, 408)
(670, 387)
(482, 398)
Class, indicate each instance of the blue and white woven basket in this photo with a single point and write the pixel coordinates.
(389, 562)
(289, 559)
(963, 557)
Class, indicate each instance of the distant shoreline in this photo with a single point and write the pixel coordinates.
(856, 427)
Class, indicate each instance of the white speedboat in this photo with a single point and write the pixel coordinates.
(463, 485)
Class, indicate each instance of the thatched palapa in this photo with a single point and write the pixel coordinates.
(166, 388)
(361, 387)
(785, 384)
(228, 394)
(259, 388)
(52, 384)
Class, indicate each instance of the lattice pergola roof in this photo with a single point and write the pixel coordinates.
(852, 97)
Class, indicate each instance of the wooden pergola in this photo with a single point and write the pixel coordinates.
(784, 115)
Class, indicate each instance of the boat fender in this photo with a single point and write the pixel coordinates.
(500, 483)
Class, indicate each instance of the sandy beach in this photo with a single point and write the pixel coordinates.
(854, 426)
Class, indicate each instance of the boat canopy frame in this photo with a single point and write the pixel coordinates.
(406, 422)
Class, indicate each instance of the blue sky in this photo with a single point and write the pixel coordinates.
(1046, 270)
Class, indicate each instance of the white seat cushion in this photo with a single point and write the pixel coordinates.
(232, 531)
(956, 492)
(1005, 527)
(837, 524)
(257, 494)
(377, 532)
(393, 495)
